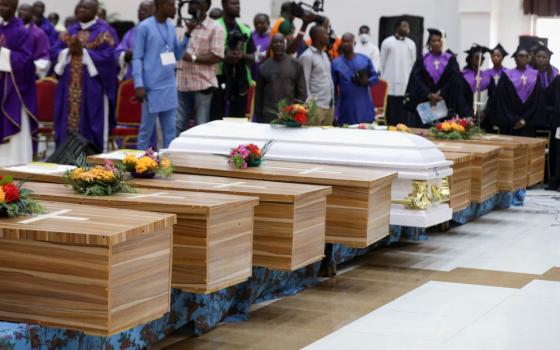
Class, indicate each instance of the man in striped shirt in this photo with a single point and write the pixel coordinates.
(196, 74)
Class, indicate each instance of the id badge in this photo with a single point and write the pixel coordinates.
(168, 58)
(558, 133)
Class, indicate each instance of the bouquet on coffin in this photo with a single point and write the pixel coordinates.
(296, 115)
(148, 165)
(98, 180)
(455, 129)
(248, 156)
(15, 201)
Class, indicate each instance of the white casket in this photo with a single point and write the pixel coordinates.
(417, 193)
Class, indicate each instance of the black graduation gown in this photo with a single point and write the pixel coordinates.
(507, 109)
(451, 87)
(487, 124)
(553, 106)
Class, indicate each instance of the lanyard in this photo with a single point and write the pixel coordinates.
(163, 36)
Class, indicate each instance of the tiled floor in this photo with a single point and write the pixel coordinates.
(491, 284)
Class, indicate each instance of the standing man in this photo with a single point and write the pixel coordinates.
(353, 74)
(285, 26)
(17, 79)
(41, 48)
(156, 52)
(234, 73)
(281, 78)
(123, 53)
(318, 78)
(368, 49)
(44, 23)
(398, 54)
(86, 91)
(196, 73)
(261, 39)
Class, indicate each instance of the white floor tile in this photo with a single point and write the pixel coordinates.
(462, 342)
(541, 289)
(359, 341)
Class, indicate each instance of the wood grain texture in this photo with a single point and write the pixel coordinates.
(99, 289)
(208, 225)
(461, 180)
(357, 211)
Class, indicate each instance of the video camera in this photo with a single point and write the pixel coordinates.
(234, 38)
(301, 9)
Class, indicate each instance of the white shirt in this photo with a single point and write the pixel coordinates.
(370, 50)
(397, 58)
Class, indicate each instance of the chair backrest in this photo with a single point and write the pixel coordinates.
(129, 110)
(46, 92)
(250, 98)
(379, 94)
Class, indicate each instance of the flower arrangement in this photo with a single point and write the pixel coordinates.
(455, 129)
(148, 165)
(296, 115)
(248, 156)
(399, 128)
(15, 201)
(98, 180)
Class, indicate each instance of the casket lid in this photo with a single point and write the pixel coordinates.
(364, 148)
(283, 171)
(176, 202)
(483, 151)
(458, 158)
(74, 224)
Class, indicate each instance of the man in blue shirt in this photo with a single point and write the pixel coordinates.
(155, 55)
(353, 75)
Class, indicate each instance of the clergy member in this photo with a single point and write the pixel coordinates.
(282, 78)
(398, 54)
(123, 53)
(436, 77)
(86, 92)
(41, 47)
(261, 39)
(156, 51)
(16, 88)
(353, 75)
(497, 55)
(520, 99)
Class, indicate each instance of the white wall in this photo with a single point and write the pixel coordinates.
(465, 21)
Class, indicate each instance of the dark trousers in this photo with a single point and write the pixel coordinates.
(223, 107)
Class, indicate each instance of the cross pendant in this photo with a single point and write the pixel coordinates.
(524, 79)
(436, 64)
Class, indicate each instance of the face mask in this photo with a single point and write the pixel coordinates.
(364, 38)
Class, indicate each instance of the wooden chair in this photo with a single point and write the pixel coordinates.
(379, 95)
(129, 115)
(46, 93)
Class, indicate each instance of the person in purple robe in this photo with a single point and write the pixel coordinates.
(435, 77)
(43, 23)
(493, 75)
(261, 40)
(123, 53)
(41, 47)
(547, 72)
(519, 102)
(17, 82)
(102, 17)
(86, 92)
(475, 80)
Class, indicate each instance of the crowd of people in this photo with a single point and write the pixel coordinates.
(206, 68)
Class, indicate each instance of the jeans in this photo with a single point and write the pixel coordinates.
(147, 127)
(193, 103)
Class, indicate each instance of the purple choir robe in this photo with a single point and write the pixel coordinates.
(547, 77)
(126, 45)
(435, 64)
(17, 88)
(80, 97)
(41, 46)
(49, 30)
(470, 77)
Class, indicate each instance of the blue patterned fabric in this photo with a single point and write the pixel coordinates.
(205, 311)
(501, 200)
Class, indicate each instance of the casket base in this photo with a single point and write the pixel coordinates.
(420, 218)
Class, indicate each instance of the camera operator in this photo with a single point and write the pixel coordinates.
(234, 73)
(353, 75)
(285, 25)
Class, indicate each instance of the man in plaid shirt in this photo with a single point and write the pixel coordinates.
(196, 74)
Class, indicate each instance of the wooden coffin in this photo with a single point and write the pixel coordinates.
(357, 210)
(97, 270)
(461, 180)
(289, 222)
(485, 169)
(212, 240)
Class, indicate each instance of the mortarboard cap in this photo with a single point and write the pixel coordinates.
(437, 32)
(500, 48)
(545, 49)
(477, 48)
(519, 49)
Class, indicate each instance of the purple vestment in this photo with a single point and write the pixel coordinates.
(17, 89)
(41, 46)
(262, 43)
(436, 64)
(111, 30)
(495, 74)
(49, 30)
(126, 45)
(546, 78)
(470, 78)
(523, 81)
(80, 97)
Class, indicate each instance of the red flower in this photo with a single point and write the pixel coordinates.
(439, 126)
(289, 109)
(463, 123)
(301, 118)
(12, 193)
